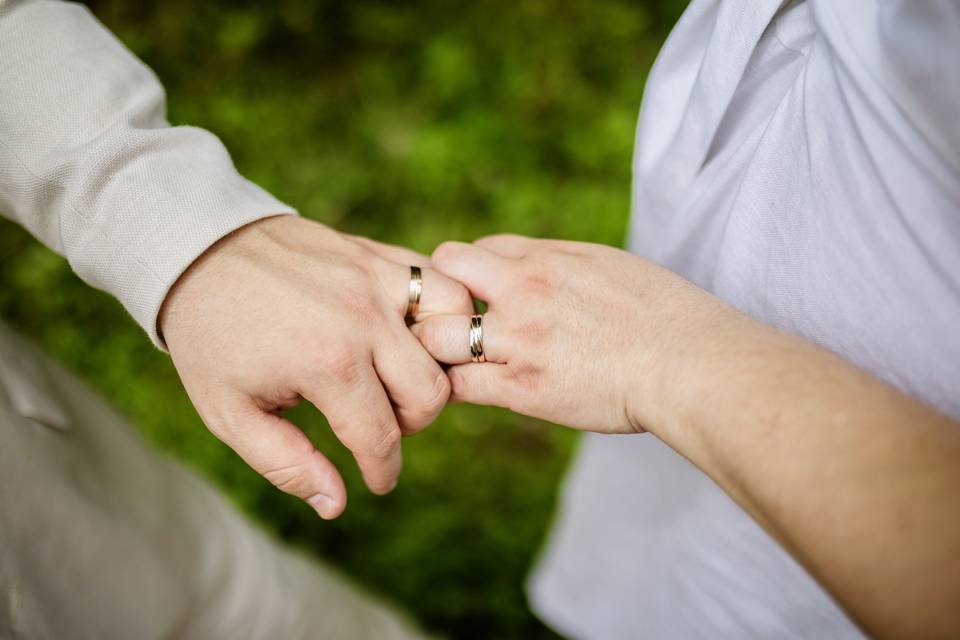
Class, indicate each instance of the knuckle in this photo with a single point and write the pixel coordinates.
(387, 444)
(293, 479)
(533, 332)
(436, 397)
(526, 376)
(538, 282)
(440, 392)
(463, 301)
(445, 251)
(430, 334)
(341, 362)
(359, 302)
(458, 381)
(348, 372)
(427, 406)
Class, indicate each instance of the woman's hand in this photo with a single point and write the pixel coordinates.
(836, 465)
(579, 334)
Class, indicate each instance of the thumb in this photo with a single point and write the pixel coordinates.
(279, 451)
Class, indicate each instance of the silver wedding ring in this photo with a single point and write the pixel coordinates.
(414, 291)
(476, 338)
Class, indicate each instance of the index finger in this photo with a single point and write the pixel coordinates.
(362, 418)
(280, 452)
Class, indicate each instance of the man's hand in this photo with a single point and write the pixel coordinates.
(285, 309)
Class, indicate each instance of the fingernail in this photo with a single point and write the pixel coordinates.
(324, 505)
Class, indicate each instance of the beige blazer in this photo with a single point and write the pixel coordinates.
(91, 167)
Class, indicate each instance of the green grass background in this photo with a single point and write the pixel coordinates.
(412, 123)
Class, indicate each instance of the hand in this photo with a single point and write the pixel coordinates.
(285, 309)
(579, 334)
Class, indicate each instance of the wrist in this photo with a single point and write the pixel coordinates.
(188, 293)
(716, 370)
(685, 361)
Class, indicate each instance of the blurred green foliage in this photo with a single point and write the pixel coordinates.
(412, 123)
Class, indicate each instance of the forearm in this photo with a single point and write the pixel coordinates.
(857, 480)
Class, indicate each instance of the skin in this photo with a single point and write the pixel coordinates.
(286, 309)
(857, 480)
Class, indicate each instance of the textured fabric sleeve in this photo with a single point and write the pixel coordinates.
(91, 167)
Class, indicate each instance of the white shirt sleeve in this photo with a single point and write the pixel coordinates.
(910, 51)
(91, 167)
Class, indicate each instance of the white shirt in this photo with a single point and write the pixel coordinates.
(801, 160)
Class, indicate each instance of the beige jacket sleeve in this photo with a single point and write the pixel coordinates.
(90, 165)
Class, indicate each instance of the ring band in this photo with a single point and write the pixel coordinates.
(476, 338)
(414, 291)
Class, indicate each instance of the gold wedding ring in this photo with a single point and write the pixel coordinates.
(414, 291)
(476, 338)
